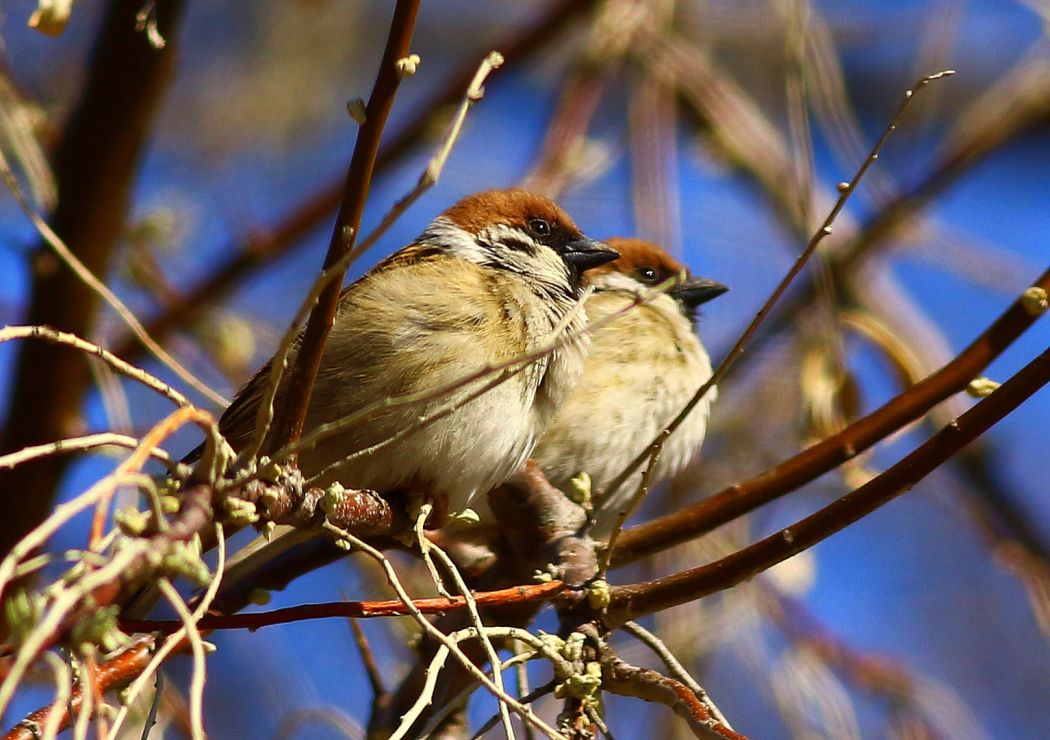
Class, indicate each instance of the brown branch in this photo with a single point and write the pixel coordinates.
(368, 659)
(619, 677)
(352, 610)
(288, 425)
(630, 602)
(741, 498)
(112, 674)
(261, 248)
(94, 165)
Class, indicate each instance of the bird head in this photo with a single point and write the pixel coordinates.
(643, 264)
(521, 232)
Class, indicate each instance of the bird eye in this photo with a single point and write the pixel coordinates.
(539, 227)
(647, 274)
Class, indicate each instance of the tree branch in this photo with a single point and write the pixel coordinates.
(741, 498)
(353, 609)
(290, 421)
(630, 602)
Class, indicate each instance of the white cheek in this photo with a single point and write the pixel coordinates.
(443, 233)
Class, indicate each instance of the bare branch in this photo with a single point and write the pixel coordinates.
(48, 334)
(629, 602)
(347, 224)
(741, 498)
(354, 609)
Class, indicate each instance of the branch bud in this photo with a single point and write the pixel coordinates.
(1035, 301)
(406, 67)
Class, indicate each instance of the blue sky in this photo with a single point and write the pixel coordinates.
(911, 582)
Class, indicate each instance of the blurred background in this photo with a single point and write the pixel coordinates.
(717, 128)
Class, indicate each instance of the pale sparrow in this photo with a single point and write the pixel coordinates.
(641, 370)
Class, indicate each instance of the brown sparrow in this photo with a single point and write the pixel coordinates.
(493, 278)
(641, 370)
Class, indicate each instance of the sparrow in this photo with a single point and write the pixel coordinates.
(494, 278)
(645, 361)
(642, 368)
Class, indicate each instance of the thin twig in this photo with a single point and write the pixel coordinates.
(425, 547)
(63, 693)
(622, 678)
(89, 279)
(154, 706)
(675, 667)
(475, 618)
(521, 674)
(193, 635)
(368, 658)
(91, 697)
(80, 444)
(632, 504)
(48, 334)
(537, 693)
(825, 229)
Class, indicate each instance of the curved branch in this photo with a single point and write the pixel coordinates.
(630, 602)
(737, 500)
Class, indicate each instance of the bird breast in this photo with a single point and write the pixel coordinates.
(403, 348)
(642, 369)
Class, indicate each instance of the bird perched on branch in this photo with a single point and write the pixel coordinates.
(494, 279)
(641, 370)
(643, 366)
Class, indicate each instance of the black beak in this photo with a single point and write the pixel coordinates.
(695, 291)
(584, 253)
